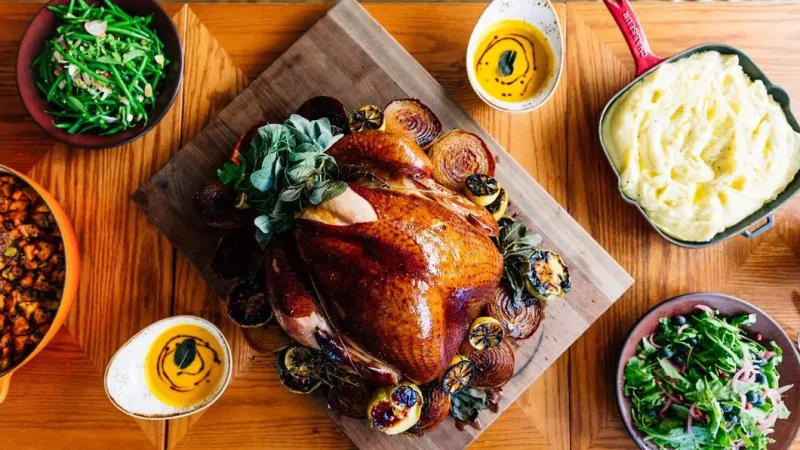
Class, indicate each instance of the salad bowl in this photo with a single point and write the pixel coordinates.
(785, 430)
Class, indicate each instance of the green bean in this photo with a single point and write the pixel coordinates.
(127, 33)
(52, 90)
(62, 125)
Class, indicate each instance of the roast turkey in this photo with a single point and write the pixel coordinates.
(386, 277)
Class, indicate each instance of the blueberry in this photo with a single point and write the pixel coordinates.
(760, 362)
(692, 341)
(652, 412)
(666, 352)
(678, 321)
(727, 408)
(733, 419)
(760, 378)
(759, 402)
(678, 359)
(752, 397)
(683, 350)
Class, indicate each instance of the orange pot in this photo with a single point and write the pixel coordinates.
(73, 267)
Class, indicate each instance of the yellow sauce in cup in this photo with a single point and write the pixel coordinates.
(533, 61)
(191, 377)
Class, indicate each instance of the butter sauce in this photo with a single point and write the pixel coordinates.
(532, 67)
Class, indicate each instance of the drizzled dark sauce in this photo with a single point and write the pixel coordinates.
(518, 39)
(165, 357)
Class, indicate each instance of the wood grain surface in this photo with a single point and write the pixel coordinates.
(570, 406)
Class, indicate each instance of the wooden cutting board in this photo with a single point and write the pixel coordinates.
(348, 55)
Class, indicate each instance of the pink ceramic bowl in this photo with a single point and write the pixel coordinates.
(785, 430)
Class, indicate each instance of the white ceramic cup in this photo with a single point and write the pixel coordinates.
(540, 14)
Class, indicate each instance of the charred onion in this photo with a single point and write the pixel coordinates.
(519, 319)
(216, 205)
(243, 143)
(435, 408)
(412, 119)
(348, 395)
(457, 155)
(493, 367)
(325, 107)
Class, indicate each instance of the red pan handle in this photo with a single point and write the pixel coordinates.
(634, 35)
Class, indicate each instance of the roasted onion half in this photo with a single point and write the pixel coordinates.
(247, 303)
(435, 408)
(216, 205)
(348, 395)
(325, 107)
(493, 367)
(458, 154)
(519, 319)
(243, 144)
(412, 119)
(236, 254)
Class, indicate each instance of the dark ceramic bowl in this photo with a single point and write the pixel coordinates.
(785, 430)
(42, 28)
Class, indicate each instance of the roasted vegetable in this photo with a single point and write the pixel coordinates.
(395, 409)
(481, 189)
(549, 277)
(295, 369)
(348, 395)
(216, 205)
(247, 303)
(499, 206)
(243, 144)
(369, 117)
(519, 319)
(458, 376)
(412, 119)
(32, 270)
(235, 255)
(458, 154)
(493, 367)
(435, 408)
(326, 107)
(485, 333)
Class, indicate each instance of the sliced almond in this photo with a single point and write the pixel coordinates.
(148, 90)
(160, 60)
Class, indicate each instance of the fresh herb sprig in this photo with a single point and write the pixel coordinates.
(517, 245)
(102, 70)
(699, 382)
(506, 62)
(284, 170)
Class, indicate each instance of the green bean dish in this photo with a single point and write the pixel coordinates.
(102, 70)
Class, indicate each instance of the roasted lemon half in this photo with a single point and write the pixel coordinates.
(485, 333)
(369, 117)
(458, 376)
(296, 369)
(549, 277)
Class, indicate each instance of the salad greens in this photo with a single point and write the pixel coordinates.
(699, 382)
(284, 170)
(103, 69)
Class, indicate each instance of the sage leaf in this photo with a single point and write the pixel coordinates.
(185, 353)
(468, 403)
(263, 179)
(506, 63)
(333, 190)
(299, 172)
(291, 194)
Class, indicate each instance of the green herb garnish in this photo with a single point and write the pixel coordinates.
(102, 70)
(699, 382)
(467, 403)
(284, 170)
(185, 353)
(506, 63)
(518, 246)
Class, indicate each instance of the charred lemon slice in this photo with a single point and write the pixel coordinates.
(395, 409)
(296, 370)
(549, 277)
(485, 333)
(458, 376)
(481, 189)
(499, 206)
(369, 117)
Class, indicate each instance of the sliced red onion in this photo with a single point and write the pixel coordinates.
(706, 309)
(652, 342)
(96, 27)
(767, 355)
(767, 423)
(674, 400)
(783, 389)
(665, 407)
(681, 328)
(689, 422)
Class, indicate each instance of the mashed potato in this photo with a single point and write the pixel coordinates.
(700, 146)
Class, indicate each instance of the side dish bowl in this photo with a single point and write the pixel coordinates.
(73, 263)
(785, 430)
(646, 62)
(42, 27)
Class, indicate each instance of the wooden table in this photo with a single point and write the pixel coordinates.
(133, 277)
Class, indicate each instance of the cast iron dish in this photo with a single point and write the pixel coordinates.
(785, 430)
(43, 26)
(646, 61)
(73, 267)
